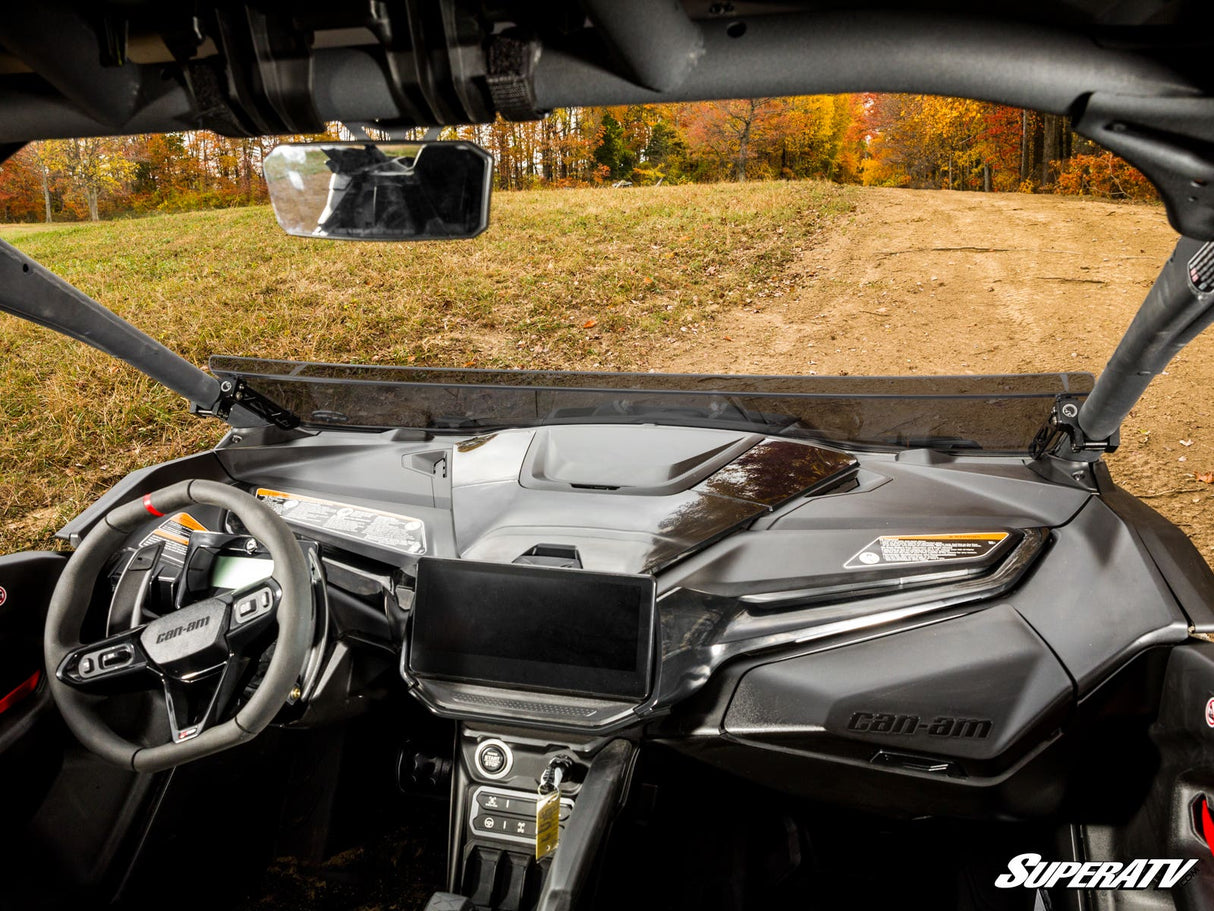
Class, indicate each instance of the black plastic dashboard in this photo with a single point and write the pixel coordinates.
(817, 605)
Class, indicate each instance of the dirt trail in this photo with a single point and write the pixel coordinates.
(937, 282)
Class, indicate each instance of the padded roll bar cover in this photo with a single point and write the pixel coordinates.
(655, 41)
(74, 592)
(846, 50)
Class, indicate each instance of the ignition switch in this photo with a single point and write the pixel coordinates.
(554, 773)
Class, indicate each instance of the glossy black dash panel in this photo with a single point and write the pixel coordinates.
(615, 527)
(694, 524)
(775, 471)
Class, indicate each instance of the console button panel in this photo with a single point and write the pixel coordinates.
(500, 813)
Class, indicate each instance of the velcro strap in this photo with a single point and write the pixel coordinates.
(511, 77)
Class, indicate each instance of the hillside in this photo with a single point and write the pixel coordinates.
(591, 279)
(762, 277)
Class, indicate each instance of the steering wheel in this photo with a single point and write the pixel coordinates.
(197, 653)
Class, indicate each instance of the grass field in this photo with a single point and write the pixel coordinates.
(595, 279)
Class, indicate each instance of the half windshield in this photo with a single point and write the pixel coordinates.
(990, 414)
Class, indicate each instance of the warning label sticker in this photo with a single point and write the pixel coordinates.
(174, 533)
(926, 548)
(356, 523)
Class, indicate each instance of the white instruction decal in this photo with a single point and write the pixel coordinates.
(926, 548)
(357, 523)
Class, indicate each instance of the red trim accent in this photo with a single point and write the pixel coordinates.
(1207, 824)
(147, 504)
(22, 690)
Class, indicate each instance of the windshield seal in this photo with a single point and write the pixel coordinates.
(979, 414)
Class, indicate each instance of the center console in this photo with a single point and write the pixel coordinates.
(493, 824)
(537, 663)
(495, 789)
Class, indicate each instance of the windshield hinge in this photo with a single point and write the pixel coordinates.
(238, 392)
(1062, 436)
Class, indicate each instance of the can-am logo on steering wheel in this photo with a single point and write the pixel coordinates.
(183, 628)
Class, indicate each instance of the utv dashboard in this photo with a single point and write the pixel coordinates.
(950, 578)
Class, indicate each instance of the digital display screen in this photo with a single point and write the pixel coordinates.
(229, 572)
(533, 627)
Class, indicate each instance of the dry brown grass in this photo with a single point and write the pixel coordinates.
(589, 279)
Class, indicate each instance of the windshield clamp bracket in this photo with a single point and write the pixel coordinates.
(238, 392)
(1062, 436)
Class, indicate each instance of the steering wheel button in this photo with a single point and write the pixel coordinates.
(264, 597)
(86, 666)
(114, 658)
(246, 608)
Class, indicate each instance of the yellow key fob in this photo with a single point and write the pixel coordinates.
(547, 823)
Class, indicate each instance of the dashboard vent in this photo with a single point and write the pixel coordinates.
(563, 555)
(636, 460)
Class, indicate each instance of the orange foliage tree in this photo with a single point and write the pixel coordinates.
(1102, 174)
(891, 140)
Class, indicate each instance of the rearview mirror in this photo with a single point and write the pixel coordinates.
(366, 191)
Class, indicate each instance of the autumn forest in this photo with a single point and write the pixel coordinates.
(874, 140)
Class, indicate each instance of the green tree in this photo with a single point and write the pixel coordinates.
(612, 152)
(667, 149)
